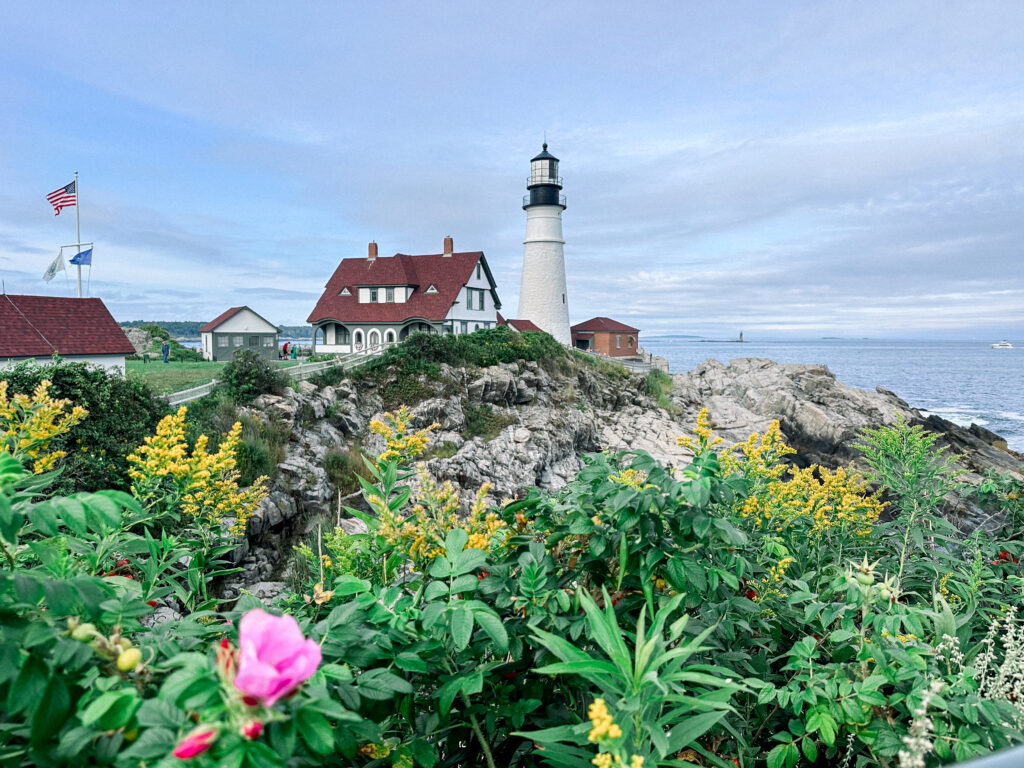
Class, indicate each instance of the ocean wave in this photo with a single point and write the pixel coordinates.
(959, 418)
(1011, 415)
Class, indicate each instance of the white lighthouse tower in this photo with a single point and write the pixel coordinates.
(542, 295)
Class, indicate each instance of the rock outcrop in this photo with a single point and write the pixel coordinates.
(819, 416)
(544, 418)
(139, 339)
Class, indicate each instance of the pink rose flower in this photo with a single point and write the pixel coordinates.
(197, 742)
(274, 658)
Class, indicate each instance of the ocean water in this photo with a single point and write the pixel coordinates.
(962, 381)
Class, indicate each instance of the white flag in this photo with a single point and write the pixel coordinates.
(57, 265)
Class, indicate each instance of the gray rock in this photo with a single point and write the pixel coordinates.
(161, 615)
(353, 526)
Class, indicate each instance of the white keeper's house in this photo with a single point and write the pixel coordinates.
(235, 329)
(78, 330)
(380, 300)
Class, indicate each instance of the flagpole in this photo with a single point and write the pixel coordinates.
(78, 234)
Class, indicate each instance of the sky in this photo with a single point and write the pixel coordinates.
(788, 169)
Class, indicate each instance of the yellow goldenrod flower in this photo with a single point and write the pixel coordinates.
(29, 424)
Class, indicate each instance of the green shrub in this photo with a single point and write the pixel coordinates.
(212, 416)
(483, 421)
(445, 450)
(658, 384)
(121, 413)
(261, 450)
(248, 376)
(345, 468)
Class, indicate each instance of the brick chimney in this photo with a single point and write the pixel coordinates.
(373, 251)
(449, 245)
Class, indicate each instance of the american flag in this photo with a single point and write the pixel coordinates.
(63, 197)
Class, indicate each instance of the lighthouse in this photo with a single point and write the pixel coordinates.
(542, 295)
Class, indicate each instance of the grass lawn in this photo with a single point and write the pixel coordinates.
(178, 375)
(173, 376)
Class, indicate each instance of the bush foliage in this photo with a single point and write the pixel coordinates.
(120, 413)
(248, 376)
(733, 612)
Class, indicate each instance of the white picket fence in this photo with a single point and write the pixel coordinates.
(300, 372)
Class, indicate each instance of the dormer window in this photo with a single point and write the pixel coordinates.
(345, 292)
(389, 295)
(373, 295)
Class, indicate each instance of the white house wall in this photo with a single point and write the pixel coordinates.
(111, 362)
(487, 315)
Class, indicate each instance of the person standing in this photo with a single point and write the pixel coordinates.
(165, 350)
(295, 352)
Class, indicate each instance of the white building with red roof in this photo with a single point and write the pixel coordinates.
(235, 329)
(380, 300)
(78, 330)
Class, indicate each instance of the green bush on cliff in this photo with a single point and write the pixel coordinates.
(397, 370)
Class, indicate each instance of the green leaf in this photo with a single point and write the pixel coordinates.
(50, 711)
(350, 585)
(461, 627)
(72, 514)
(410, 662)
(424, 753)
(446, 695)
(434, 590)
(315, 731)
(495, 629)
(455, 542)
(692, 728)
(379, 684)
(29, 686)
(842, 635)
(777, 757)
(113, 709)
(160, 713)
(154, 743)
(810, 749)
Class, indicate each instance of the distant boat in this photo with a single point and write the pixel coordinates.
(1004, 344)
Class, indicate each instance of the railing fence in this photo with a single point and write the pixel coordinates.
(300, 372)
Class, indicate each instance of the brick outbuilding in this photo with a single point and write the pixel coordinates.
(607, 337)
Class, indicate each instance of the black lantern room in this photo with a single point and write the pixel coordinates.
(545, 184)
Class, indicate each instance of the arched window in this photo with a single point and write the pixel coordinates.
(340, 334)
(373, 339)
(359, 340)
(389, 337)
(630, 342)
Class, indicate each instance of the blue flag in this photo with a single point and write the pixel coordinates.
(82, 258)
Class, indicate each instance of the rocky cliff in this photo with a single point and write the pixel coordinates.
(543, 418)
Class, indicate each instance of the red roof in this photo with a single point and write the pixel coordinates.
(518, 325)
(223, 316)
(597, 324)
(447, 274)
(38, 326)
(220, 319)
